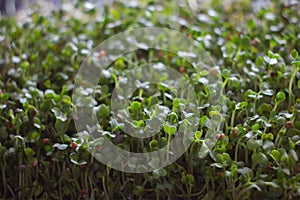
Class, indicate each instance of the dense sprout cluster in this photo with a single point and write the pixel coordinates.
(256, 155)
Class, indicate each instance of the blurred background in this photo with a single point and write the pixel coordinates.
(12, 7)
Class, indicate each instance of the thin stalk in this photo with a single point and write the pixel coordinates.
(223, 86)
(291, 99)
(104, 187)
(232, 120)
(237, 150)
(246, 156)
(92, 197)
(59, 188)
(4, 180)
(168, 147)
(189, 191)
(233, 190)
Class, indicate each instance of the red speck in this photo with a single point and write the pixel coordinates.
(46, 141)
(220, 136)
(21, 168)
(34, 163)
(170, 57)
(292, 109)
(100, 148)
(7, 45)
(269, 167)
(160, 54)
(182, 69)
(10, 125)
(219, 174)
(143, 59)
(288, 124)
(182, 28)
(74, 145)
(82, 166)
(235, 132)
(84, 83)
(273, 74)
(254, 42)
(228, 37)
(213, 72)
(84, 191)
(102, 54)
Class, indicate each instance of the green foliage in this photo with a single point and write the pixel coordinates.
(256, 155)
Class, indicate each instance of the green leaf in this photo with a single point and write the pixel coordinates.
(204, 149)
(217, 165)
(25, 65)
(240, 105)
(37, 122)
(272, 184)
(3, 133)
(245, 171)
(60, 126)
(294, 54)
(215, 116)
(264, 87)
(251, 94)
(162, 172)
(203, 120)
(254, 144)
(245, 42)
(173, 118)
(75, 158)
(270, 136)
(138, 123)
(250, 24)
(60, 146)
(280, 97)
(273, 55)
(270, 61)
(226, 73)
(119, 63)
(102, 111)
(268, 145)
(260, 159)
(170, 129)
(153, 144)
(264, 122)
(29, 152)
(198, 134)
(253, 185)
(190, 178)
(294, 155)
(4, 96)
(255, 127)
(264, 108)
(58, 114)
(154, 163)
(176, 104)
(275, 154)
(34, 136)
(136, 105)
(296, 63)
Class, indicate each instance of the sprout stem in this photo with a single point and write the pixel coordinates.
(291, 99)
